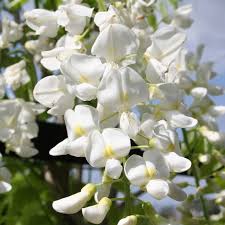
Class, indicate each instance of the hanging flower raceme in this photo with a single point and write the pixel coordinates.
(129, 81)
(18, 126)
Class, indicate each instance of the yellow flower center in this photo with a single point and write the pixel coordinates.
(108, 151)
(79, 131)
(83, 79)
(171, 147)
(150, 172)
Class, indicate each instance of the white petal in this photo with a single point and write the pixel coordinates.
(135, 170)
(113, 168)
(82, 68)
(217, 110)
(199, 92)
(60, 148)
(122, 88)
(71, 204)
(27, 152)
(43, 21)
(179, 120)
(177, 163)
(49, 90)
(82, 10)
(130, 124)
(77, 147)
(157, 159)
(159, 189)
(166, 43)
(64, 102)
(155, 71)
(81, 121)
(86, 92)
(115, 43)
(51, 63)
(96, 214)
(4, 187)
(129, 220)
(108, 116)
(117, 141)
(95, 151)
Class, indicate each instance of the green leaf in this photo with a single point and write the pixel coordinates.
(152, 21)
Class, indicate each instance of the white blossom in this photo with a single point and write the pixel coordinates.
(96, 214)
(11, 32)
(42, 21)
(16, 75)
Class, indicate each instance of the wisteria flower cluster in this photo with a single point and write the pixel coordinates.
(124, 74)
(122, 98)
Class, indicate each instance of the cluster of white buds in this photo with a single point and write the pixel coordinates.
(11, 32)
(16, 75)
(18, 125)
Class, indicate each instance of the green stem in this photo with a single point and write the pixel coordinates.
(127, 197)
(139, 147)
(108, 117)
(195, 170)
(117, 199)
(101, 5)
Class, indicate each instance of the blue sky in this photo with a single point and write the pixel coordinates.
(209, 28)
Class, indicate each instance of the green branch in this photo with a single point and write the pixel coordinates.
(195, 171)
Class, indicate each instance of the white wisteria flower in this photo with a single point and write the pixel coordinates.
(11, 32)
(73, 17)
(129, 220)
(83, 72)
(166, 44)
(112, 143)
(80, 122)
(152, 171)
(113, 168)
(16, 75)
(130, 123)
(116, 44)
(18, 126)
(35, 47)
(121, 89)
(42, 21)
(96, 214)
(65, 47)
(74, 203)
(182, 16)
(53, 92)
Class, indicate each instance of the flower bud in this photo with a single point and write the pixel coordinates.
(74, 203)
(129, 220)
(96, 214)
(113, 168)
